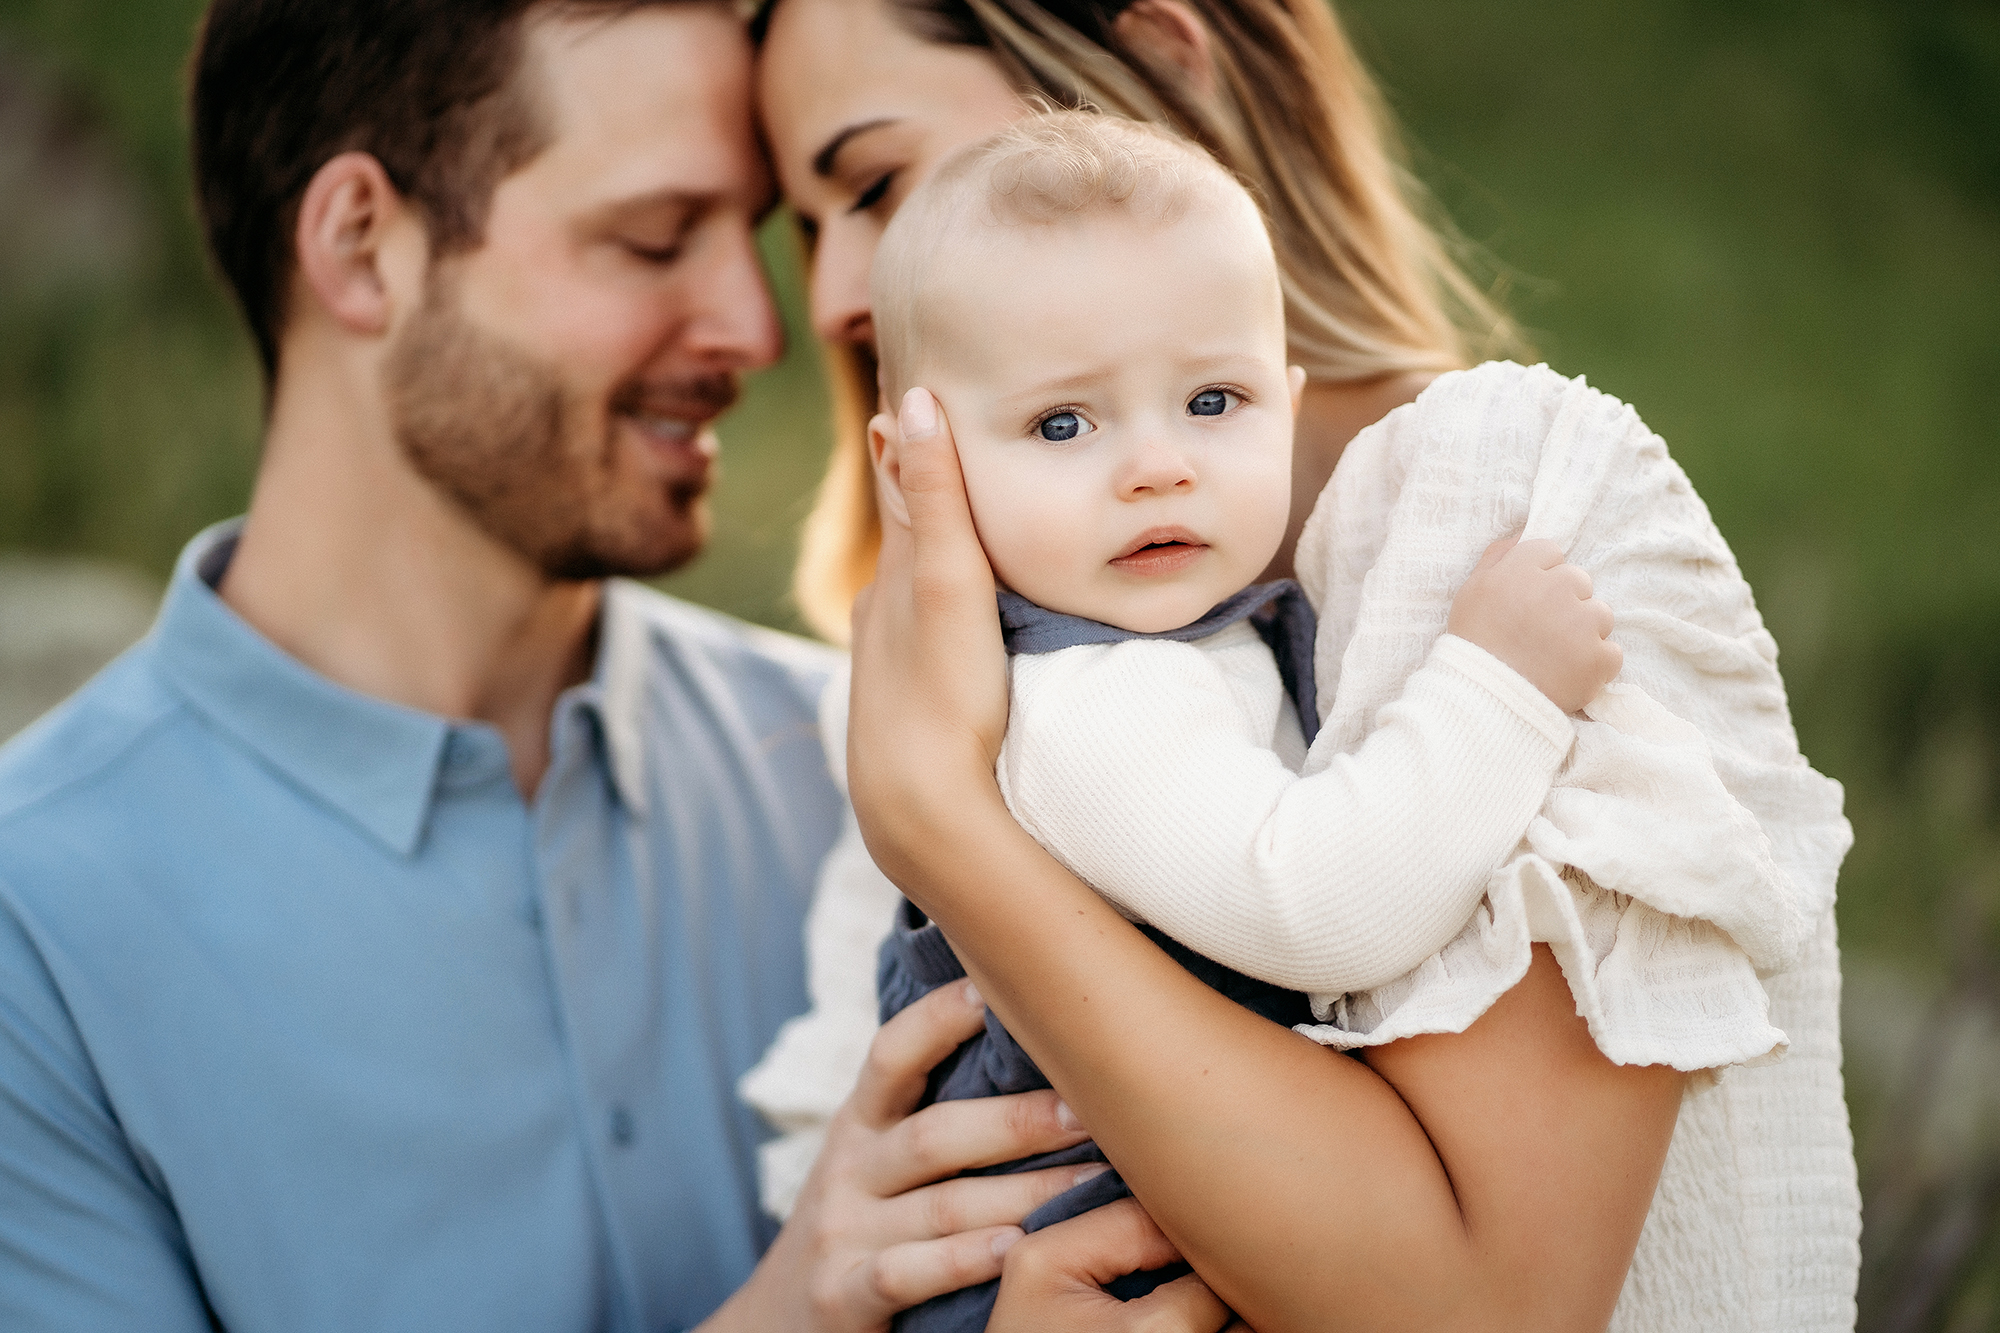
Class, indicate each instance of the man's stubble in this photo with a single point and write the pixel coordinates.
(535, 463)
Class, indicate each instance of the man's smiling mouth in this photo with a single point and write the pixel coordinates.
(667, 430)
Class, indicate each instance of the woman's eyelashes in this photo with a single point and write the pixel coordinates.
(874, 194)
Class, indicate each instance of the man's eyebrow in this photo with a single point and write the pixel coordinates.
(684, 201)
(822, 163)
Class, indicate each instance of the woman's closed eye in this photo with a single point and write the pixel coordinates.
(874, 194)
(1061, 427)
(1212, 402)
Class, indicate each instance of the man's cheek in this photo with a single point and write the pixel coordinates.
(602, 343)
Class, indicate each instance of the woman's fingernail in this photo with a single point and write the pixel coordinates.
(918, 419)
(1066, 1117)
(973, 998)
(1091, 1172)
(1006, 1240)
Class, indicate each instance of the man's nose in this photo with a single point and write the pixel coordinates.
(838, 291)
(1153, 466)
(735, 325)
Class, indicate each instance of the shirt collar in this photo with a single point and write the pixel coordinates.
(617, 689)
(374, 761)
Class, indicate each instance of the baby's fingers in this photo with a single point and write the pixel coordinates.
(1575, 578)
(1613, 661)
(1602, 618)
(1540, 552)
(1496, 552)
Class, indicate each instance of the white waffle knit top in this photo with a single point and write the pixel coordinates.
(1680, 867)
(1164, 776)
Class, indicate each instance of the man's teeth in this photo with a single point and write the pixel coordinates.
(674, 430)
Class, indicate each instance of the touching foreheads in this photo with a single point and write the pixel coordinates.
(1043, 171)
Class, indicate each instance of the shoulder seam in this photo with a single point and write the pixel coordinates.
(139, 734)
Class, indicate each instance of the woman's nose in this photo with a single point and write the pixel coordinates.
(1154, 467)
(839, 289)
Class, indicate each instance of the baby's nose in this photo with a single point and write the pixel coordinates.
(1156, 467)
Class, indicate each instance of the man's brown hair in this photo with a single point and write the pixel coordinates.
(279, 87)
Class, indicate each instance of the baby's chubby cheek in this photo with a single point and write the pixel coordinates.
(1038, 546)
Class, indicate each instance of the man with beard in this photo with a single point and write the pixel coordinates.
(381, 939)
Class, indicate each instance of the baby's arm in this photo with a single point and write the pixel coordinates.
(1136, 766)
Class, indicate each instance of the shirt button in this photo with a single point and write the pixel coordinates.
(621, 1126)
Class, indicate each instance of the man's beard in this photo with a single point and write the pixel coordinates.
(502, 436)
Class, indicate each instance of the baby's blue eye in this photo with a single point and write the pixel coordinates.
(1208, 403)
(1062, 426)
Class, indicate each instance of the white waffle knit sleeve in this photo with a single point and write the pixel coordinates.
(1147, 768)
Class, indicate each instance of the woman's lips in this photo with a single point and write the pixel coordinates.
(1160, 551)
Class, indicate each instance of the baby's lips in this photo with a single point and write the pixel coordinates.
(1159, 536)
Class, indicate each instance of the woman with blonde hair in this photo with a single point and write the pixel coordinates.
(1376, 301)
(1499, 1176)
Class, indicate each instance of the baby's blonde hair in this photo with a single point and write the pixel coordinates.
(1041, 171)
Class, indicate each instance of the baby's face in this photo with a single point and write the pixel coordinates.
(1122, 408)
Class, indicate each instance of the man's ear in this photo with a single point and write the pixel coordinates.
(1296, 377)
(1170, 32)
(882, 450)
(347, 220)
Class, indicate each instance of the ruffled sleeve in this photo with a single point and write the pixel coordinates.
(1686, 851)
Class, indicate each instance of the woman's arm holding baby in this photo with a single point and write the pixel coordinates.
(1503, 1188)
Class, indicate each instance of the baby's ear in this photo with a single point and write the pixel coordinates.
(882, 449)
(1296, 377)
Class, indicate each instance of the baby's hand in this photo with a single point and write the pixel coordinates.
(1533, 611)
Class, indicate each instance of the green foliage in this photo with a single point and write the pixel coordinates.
(1772, 225)
(1774, 228)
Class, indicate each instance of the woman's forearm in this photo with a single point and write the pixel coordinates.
(1255, 1149)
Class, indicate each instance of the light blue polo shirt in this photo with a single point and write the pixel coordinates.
(309, 1022)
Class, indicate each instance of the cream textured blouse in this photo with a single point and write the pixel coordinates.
(1680, 865)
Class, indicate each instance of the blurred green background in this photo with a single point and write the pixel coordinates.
(1772, 225)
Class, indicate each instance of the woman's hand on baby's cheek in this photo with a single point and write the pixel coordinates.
(929, 706)
(882, 1223)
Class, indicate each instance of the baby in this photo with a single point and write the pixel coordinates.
(1096, 310)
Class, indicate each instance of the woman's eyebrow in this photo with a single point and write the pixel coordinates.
(822, 162)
